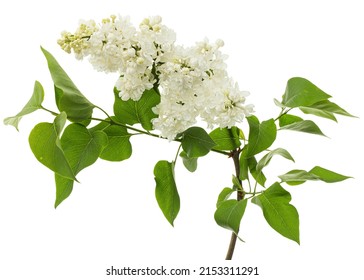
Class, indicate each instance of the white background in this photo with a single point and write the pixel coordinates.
(112, 218)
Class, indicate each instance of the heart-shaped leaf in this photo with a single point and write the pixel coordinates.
(45, 144)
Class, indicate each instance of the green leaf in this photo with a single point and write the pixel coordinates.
(279, 104)
(236, 183)
(166, 190)
(243, 162)
(250, 164)
(257, 175)
(325, 109)
(278, 212)
(327, 175)
(241, 134)
(196, 142)
(318, 112)
(287, 119)
(34, 103)
(296, 177)
(328, 106)
(261, 135)
(64, 187)
(267, 158)
(189, 163)
(68, 98)
(81, 148)
(304, 126)
(46, 146)
(301, 92)
(226, 139)
(229, 214)
(119, 147)
(132, 112)
(224, 195)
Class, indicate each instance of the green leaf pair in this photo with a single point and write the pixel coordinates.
(197, 143)
(310, 99)
(82, 148)
(275, 203)
(66, 155)
(282, 216)
(301, 93)
(278, 212)
(78, 147)
(68, 98)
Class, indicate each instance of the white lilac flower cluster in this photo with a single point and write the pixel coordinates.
(193, 82)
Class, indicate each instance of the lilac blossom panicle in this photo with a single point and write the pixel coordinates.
(192, 81)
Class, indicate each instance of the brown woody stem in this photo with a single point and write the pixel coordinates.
(240, 196)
